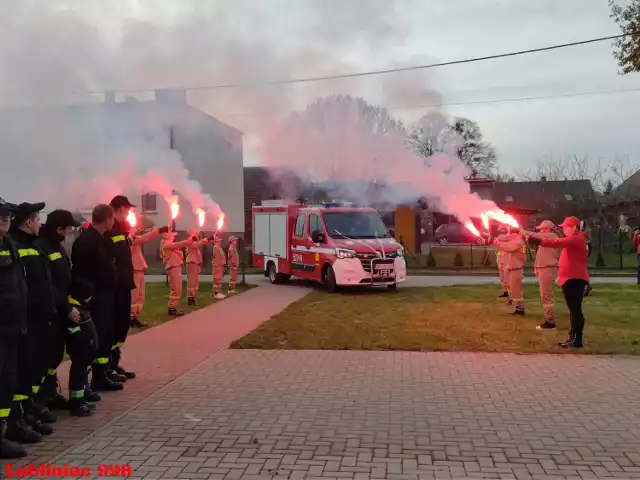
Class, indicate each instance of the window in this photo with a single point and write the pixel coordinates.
(314, 224)
(149, 202)
(509, 199)
(568, 197)
(299, 226)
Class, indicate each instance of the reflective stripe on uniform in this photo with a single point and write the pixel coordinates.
(73, 330)
(20, 398)
(5, 253)
(55, 256)
(51, 371)
(101, 361)
(77, 394)
(73, 301)
(118, 238)
(28, 252)
(4, 412)
(35, 388)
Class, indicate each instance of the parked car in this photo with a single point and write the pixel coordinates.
(456, 233)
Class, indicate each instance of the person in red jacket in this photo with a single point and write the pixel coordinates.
(573, 276)
(636, 242)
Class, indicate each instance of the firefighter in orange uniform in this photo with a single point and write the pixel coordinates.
(234, 262)
(173, 258)
(194, 266)
(219, 261)
(546, 269)
(139, 268)
(513, 261)
(502, 232)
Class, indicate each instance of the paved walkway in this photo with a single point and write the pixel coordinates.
(163, 353)
(375, 415)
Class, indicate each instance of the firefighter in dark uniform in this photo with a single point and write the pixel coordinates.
(13, 325)
(58, 226)
(82, 340)
(35, 348)
(121, 245)
(92, 261)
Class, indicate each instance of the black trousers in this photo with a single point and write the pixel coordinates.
(82, 352)
(573, 291)
(58, 342)
(34, 357)
(8, 372)
(101, 308)
(121, 321)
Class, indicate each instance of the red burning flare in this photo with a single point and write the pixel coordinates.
(175, 209)
(221, 221)
(472, 228)
(201, 217)
(131, 218)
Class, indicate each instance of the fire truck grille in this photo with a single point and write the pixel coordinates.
(366, 258)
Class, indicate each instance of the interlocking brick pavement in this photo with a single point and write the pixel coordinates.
(161, 354)
(382, 415)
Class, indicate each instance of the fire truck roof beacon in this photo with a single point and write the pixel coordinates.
(333, 203)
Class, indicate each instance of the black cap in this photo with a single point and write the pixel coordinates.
(6, 208)
(61, 218)
(80, 290)
(120, 201)
(24, 210)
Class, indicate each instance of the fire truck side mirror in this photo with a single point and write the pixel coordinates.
(317, 237)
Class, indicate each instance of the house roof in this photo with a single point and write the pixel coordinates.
(629, 190)
(542, 195)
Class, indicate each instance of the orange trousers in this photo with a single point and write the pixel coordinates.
(137, 294)
(503, 280)
(514, 282)
(193, 279)
(546, 280)
(175, 286)
(218, 276)
(233, 278)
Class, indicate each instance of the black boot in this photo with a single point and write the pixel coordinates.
(136, 323)
(50, 392)
(91, 396)
(100, 382)
(115, 376)
(42, 412)
(9, 450)
(18, 430)
(80, 408)
(191, 301)
(175, 313)
(31, 417)
(504, 295)
(124, 373)
(518, 313)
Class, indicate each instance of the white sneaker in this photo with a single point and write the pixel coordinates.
(231, 292)
(219, 296)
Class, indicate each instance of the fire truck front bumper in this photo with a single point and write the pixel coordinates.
(354, 272)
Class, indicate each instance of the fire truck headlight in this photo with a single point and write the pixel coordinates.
(400, 252)
(344, 253)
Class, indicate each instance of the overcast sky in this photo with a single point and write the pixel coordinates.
(73, 46)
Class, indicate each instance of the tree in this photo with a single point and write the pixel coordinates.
(627, 49)
(434, 134)
(474, 152)
(608, 188)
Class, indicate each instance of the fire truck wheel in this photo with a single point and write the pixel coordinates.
(330, 280)
(275, 277)
(393, 287)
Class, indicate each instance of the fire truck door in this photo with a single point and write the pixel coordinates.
(300, 255)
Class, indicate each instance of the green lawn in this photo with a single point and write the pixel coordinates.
(155, 306)
(465, 318)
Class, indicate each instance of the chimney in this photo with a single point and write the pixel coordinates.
(171, 96)
(109, 97)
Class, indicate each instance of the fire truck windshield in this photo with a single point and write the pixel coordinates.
(355, 225)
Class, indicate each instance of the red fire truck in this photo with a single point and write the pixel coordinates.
(333, 243)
